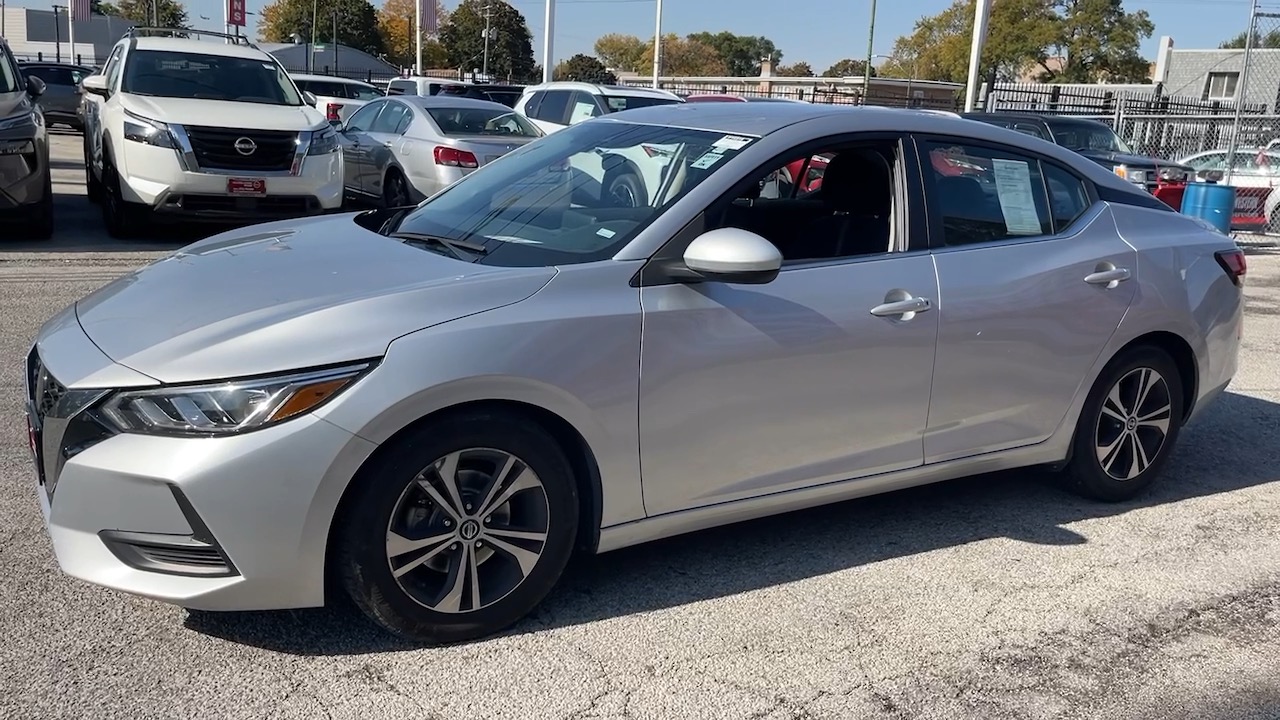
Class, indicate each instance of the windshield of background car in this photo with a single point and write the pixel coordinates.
(10, 78)
(557, 200)
(160, 73)
(482, 121)
(618, 103)
(1087, 137)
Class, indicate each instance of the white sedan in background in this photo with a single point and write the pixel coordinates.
(401, 149)
(1256, 176)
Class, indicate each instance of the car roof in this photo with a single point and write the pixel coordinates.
(328, 78)
(448, 101)
(1047, 118)
(198, 47)
(599, 89)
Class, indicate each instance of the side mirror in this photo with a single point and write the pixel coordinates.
(309, 98)
(733, 255)
(95, 85)
(35, 86)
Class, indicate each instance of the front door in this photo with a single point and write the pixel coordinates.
(356, 146)
(821, 375)
(1034, 282)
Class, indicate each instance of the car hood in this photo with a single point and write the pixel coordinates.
(287, 295)
(1133, 161)
(13, 103)
(224, 113)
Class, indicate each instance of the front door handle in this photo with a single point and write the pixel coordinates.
(1110, 278)
(902, 307)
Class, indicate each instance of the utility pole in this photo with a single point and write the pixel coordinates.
(871, 43)
(488, 30)
(657, 47)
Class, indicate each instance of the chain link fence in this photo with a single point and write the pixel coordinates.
(1249, 154)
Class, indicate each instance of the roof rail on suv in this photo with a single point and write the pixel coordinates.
(162, 31)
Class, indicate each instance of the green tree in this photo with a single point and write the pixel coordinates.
(799, 69)
(169, 13)
(510, 42)
(848, 67)
(621, 52)
(1098, 39)
(357, 23)
(1271, 40)
(585, 68)
(742, 54)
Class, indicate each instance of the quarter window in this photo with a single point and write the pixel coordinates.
(985, 195)
(1068, 197)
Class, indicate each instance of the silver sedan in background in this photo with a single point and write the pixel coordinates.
(435, 407)
(402, 149)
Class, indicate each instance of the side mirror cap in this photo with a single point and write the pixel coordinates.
(35, 86)
(309, 97)
(95, 85)
(733, 255)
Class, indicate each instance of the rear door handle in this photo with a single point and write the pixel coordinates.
(1110, 278)
(902, 307)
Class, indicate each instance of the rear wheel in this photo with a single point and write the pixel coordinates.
(1128, 426)
(460, 529)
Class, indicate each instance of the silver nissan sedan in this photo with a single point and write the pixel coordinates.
(437, 406)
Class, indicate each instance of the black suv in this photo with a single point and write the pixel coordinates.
(26, 185)
(1094, 140)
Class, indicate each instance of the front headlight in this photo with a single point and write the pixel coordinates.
(227, 408)
(323, 142)
(147, 131)
(25, 119)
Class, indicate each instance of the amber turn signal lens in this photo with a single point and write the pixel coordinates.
(307, 397)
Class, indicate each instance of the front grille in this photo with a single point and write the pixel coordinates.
(215, 149)
(58, 423)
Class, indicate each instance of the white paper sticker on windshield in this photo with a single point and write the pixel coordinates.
(706, 161)
(1013, 187)
(605, 233)
(731, 142)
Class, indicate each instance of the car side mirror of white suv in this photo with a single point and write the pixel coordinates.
(96, 85)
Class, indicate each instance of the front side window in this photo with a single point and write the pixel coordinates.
(985, 195)
(363, 118)
(161, 73)
(1210, 161)
(618, 103)
(583, 107)
(10, 77)
(391, 119)
(543, 204)
(112, 69)
(482, 121)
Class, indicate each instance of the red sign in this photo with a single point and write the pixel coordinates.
(235, 12)
(240, 186)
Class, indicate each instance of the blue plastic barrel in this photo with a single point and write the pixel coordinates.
(1212, 202)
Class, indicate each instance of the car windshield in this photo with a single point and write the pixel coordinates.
(10, 78)
(1089, 137)
(577, 195)
(482, 121)
(161, 73)
(618, 103)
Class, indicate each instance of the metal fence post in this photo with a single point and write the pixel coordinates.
(1242, 91)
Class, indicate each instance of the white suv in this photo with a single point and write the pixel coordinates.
(200, 130)
(629, 176)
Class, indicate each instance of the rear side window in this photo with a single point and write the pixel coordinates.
(984, 195)
(554, 106)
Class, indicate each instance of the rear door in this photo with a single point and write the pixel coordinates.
(1033, 280)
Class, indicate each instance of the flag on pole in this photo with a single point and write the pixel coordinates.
(79, 10)
(430, 18)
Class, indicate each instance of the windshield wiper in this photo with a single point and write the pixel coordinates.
(458, 248)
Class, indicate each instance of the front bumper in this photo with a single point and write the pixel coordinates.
(232, 523)
(155, 177)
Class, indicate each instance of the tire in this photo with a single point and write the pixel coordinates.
(395, 190)
(435, 600)
(1105, 464)
(625, 189)
(122, 219)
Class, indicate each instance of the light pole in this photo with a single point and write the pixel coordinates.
(657, 46)
(871, 43)
(548, 38)
(488, 30)
(981, 14)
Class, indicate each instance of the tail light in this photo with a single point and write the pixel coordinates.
(331, 111)
(454, 157)
(1233, 262)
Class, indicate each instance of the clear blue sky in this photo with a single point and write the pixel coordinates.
(817, 31)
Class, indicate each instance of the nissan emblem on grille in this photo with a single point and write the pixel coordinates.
(245, 146)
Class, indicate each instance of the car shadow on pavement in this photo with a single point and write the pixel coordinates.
(1230, 447)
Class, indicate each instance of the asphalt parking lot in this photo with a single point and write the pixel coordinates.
(991, 597)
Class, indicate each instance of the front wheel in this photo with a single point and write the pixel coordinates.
(1128, 426)
(625, 189)
(460, 529)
